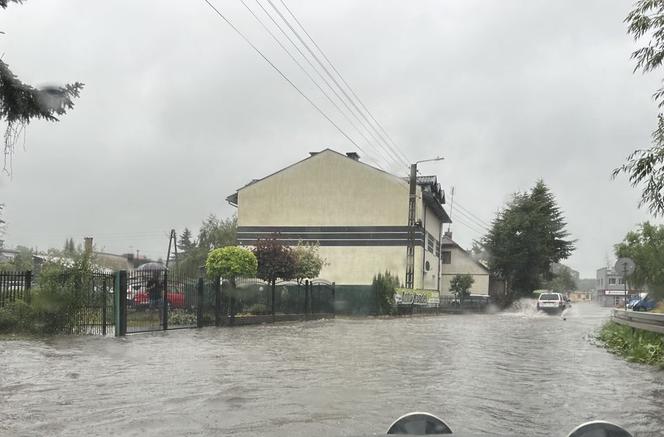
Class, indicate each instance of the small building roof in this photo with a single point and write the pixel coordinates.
(447, 242)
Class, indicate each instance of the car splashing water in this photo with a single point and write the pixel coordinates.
(511, 373)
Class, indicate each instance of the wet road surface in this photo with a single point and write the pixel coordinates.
(510, 373)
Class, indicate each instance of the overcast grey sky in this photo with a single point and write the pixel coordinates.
(178, 112)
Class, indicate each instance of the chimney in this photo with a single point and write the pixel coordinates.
(353, 155)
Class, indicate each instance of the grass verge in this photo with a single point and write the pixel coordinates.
(635, 345)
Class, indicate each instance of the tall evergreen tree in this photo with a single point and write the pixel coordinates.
(525, 239)
(186, 244)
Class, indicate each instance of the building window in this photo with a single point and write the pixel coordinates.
(621, 281)
(446, 257)
(429, 242)
(612, 281)
(437, 249)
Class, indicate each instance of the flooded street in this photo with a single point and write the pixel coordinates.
(513, 373)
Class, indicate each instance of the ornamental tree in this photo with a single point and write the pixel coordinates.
(231, 262)
(460, 286)
(275, 261)
(308, 263)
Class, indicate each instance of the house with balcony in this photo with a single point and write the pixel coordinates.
(357, 213)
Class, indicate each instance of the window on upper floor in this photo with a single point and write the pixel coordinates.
(446, 257)
(430, 242)
(612, 281)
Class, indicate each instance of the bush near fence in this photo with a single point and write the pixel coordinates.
(64, 300)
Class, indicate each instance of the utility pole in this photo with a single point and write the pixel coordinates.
(410, 249)
(410, 246)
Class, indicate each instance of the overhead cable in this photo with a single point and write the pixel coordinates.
(265, 58)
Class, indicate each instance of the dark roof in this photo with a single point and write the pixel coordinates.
(432, 202)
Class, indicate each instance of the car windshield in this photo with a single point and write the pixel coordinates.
(549, 296)
(311, 218)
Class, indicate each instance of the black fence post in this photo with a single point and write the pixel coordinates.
(28, 286)
(306, 298)
(164, 303)
(334, 298)
(199, 306)
(120, 303)
(217, 301)
(103, 307)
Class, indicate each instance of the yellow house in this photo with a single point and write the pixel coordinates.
(357, 213)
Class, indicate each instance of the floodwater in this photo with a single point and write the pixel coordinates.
(514, 373)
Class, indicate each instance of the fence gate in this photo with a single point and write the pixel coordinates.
(13, 286)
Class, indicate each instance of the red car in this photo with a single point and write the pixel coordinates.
(141, 298)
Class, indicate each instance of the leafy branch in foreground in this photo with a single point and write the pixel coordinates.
(645, 167)
(20, 103)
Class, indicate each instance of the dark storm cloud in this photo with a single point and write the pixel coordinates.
(178, 112)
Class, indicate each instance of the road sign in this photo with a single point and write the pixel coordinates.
(625, 266)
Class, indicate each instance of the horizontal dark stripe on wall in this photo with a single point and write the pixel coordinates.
(332, 235)
(348, 243)
(319, 229)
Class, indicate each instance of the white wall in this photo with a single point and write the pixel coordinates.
(462, 263)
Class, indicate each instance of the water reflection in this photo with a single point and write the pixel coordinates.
(518, 372)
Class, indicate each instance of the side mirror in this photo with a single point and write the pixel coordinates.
(599, 428)
(419, 424)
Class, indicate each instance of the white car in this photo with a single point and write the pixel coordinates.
(551, 302)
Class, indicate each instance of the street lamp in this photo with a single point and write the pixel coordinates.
(410, 248)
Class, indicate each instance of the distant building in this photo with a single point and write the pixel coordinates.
(357, 213)
(456, 261)
(580, 296)
(611, 287)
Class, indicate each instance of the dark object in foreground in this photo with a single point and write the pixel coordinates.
(428, 424)
(419, 424)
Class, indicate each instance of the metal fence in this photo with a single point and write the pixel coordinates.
(153, 300)
(66, 301)
(471, 303)
(159, 300)
(13, 286)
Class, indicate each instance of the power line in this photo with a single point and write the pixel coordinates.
(311, 102)
(288, 52)
(467, 211)
(472, 228)
(471, 219)
(330, 86)
(396, 148)
(350, 100)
